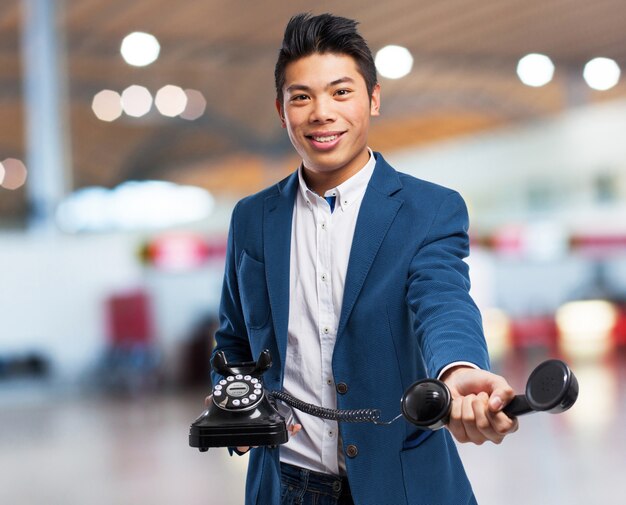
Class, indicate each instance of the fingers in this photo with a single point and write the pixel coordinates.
(293, 429)
(471, 420)
(456, 424)
(500, 396)
(478, 399)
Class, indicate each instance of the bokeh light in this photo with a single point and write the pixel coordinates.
(14, 174)
(535, 70)
(140, 49)
(133, 205)
(497, 329)
(196, 105)
(136, 100)
(394, 62)
(601, 74)
(171, 100)
(107, 105)
(585, 327)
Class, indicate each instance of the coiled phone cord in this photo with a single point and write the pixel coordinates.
(347, 416)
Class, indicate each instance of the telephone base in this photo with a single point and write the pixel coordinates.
(223, 429)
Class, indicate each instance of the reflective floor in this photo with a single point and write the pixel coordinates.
(59, 447)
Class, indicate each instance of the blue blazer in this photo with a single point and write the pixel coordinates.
(406, 314)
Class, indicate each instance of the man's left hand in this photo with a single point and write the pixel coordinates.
(478, 398)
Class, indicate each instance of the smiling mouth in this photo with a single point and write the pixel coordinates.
(322, 139)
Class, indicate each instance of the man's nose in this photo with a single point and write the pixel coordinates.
(323, 111)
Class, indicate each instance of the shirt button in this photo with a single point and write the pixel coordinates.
(323, 226)
(324, 277)
(342, 388)
(352, 451)
(326, 330)
(329, 382)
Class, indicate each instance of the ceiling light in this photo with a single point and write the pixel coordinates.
(394, 62)
(601, 73)
(171, 100)
(136, 100)
(196, 105)
(535, 70)
(107, 105)
(140, 49)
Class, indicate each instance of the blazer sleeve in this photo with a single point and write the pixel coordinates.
(447, 322)
(231, 336)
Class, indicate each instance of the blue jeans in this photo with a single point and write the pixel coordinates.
(299, 486)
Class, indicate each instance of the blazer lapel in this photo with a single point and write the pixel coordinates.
(377, 212)
(277, 219)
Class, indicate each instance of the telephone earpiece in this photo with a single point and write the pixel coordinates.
(551, 387)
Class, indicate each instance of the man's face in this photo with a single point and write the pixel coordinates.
(326, 110)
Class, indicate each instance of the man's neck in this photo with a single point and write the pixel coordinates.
(320, 182)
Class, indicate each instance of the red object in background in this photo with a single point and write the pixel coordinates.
(536, 331)
(129, 319)
(182, 251)
(619, 332)
(509, 240)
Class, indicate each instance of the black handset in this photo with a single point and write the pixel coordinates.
(551, 387)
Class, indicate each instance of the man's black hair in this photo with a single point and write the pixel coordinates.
(306, 34)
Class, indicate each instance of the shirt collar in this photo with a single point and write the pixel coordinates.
(348, 191)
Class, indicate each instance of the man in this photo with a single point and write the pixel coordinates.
(352, 275)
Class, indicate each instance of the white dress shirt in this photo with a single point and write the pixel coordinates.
(320, 248)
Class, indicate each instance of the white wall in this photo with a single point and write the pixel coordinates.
(52, 291)
(494, 170)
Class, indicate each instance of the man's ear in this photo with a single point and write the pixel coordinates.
(375, 101)
(281, 113)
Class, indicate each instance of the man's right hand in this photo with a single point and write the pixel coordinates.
(292, 428)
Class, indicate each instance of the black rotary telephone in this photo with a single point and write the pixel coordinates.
(242, 413)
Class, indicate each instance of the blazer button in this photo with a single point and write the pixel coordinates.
(342, 388)
(352, 451)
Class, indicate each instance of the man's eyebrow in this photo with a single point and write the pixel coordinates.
(342, 80)
(304, 87)
(299, 87)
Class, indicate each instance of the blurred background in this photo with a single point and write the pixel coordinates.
(128, 130)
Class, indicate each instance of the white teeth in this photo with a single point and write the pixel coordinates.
(325, 139)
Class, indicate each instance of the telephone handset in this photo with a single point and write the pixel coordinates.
(551, 387)
(242, 413)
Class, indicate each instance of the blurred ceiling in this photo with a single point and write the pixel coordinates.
(463, 79)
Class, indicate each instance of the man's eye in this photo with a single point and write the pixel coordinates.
(299, 98)
(343, 92)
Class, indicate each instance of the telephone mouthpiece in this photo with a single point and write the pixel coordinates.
(426, 404)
